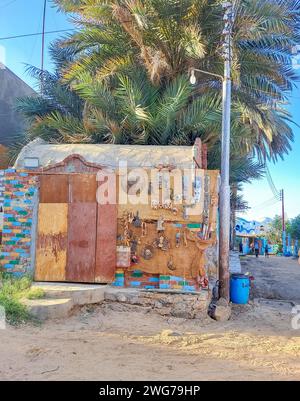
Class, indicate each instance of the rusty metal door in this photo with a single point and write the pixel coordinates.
(76, 237)
(81, 242)
(54, 188)
(82, 228)
(51, 245)
(106, 243)
(52, 231)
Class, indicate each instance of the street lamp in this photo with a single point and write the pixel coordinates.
(224, 207)
(193, 79)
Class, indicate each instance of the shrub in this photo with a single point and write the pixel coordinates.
(16, 313)
(11, 293)
(35, 293)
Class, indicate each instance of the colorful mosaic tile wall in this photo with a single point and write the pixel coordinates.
(177, 283)
(1, 188)
(19, 189)
(139, 279)
(136, 279)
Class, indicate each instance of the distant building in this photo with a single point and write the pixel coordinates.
(12, 124)
(249, 232)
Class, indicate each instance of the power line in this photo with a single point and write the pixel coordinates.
(43, 43)
(266, 204)
(8, 4)
(274, 190)
(36, 38)
(36, 34)
(259, 205)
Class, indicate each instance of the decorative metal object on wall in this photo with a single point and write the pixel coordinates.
(137, 222)
(178, 238)
(125, 226)
(197, 189)
(174, 211)
(155, 204)
(170, 264)
(185, 243)
(123, 256)
(134, 259)
(160, 224)
(148, 252)
(162, 243)
(205, 230)
(130, 217)
(167, 204)
(178, 198)
(144, 229)
(133, 245)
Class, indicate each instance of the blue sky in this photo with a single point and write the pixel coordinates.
(285, 175)
(25, 16)
(19, 17)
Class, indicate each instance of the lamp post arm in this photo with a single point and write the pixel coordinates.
(208, 73)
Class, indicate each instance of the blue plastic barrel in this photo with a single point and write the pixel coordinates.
(239, 289)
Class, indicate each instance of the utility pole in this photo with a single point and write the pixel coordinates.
(224, 243)
(283, 223)
(224, 207)
(43, 45)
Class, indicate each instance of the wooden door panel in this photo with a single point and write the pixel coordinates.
(106, 243)
(54, 188)
(51, 245)
(81, 242)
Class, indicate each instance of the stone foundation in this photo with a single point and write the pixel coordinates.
(188, 306)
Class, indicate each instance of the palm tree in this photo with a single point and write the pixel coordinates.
(132, 110)
(167, 37)
(123, 77)
(58, 109)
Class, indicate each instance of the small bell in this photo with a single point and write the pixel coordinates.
(160, 224)
(170, 264)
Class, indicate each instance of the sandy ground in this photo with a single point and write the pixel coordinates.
(113, 342)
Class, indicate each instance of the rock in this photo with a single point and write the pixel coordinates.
(183, 311)
(121, 298)
(165, 311)
(110, 297)
(221, 313)
(170, 333)
(157, 305)
(222, 302)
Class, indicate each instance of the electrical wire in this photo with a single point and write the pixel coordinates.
(274, 190)
(276, 194)
(266, 204)
(8, 4)
(36, 34)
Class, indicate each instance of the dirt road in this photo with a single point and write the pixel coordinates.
(275, 277)
(108, 344)
(112, 342)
